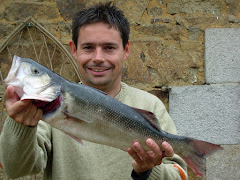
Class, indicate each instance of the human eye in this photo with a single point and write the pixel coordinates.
(110, 48)
(87, 47)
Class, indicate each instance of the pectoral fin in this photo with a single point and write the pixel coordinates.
(77, 116)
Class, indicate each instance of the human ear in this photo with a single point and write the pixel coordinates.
(73, 49)
(126, 51)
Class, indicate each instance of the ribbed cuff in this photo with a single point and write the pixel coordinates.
(156, 173)
(20, 131)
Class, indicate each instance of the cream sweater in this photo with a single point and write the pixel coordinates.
(29, 150)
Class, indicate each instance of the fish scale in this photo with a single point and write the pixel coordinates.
(89, 114)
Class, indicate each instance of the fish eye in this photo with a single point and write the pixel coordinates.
(35, 70)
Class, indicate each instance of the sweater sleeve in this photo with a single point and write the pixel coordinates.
(24, 150)
(172, 168)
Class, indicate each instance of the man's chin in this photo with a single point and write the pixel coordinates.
(100, 84)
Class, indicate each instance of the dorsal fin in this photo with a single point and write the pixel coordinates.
(150, 117)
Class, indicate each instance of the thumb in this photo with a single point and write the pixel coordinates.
(11, 96)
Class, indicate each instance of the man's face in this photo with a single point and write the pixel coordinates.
(100, 55)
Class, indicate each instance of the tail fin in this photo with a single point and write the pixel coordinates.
(196, 153)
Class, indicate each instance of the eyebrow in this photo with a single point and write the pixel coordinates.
(105, 43)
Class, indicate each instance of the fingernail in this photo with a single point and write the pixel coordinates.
(165, 145)
(149, 142)
(136, 145)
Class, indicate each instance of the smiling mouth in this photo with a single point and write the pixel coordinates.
(98, 69)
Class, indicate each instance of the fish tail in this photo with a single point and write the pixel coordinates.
(196, 155)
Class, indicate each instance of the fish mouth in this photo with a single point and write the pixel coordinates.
(46, 106)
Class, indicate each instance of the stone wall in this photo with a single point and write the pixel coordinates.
(167, 37)
(211, 112)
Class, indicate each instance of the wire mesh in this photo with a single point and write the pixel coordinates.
(31, 40)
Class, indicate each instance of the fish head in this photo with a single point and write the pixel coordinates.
(34, 81)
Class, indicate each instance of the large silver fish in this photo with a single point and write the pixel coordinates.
(87, 113)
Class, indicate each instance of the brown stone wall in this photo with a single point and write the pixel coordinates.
(167, 37)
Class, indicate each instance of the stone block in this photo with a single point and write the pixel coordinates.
(224, 164)
(4, 29)
(18, 11)
(222, 62)
(133, 9)
(191, 7)
(208, 112)
(152, 62)
(68, 10)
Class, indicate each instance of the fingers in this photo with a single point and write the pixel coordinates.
(134, 155)
(37, 117)
(23, 112)
(10, 96)
(168, 150)
(9, 91)
(156, 151)
(17, 107)
(13, 103)
(146, 160)
(141, 160)
(30, 114)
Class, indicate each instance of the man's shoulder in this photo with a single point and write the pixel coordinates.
(136, 92)
(137, 98)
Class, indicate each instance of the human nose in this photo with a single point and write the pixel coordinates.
(99, 55)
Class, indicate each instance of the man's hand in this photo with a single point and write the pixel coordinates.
(23, 112)
(146, 160)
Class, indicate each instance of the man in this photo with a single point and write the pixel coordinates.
(27, 145)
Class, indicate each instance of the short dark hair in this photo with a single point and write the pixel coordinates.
(106, 13)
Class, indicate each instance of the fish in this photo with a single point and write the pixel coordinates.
(86, 113)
